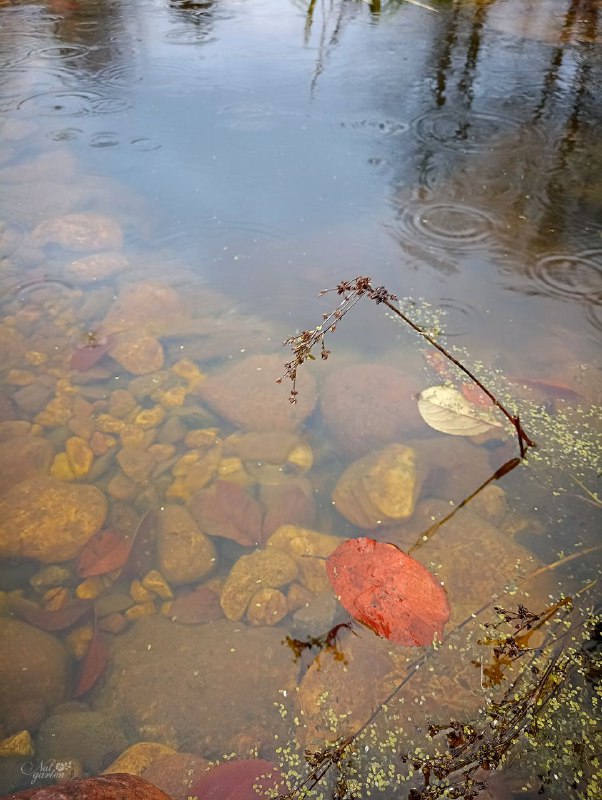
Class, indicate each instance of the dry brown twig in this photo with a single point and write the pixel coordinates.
(352, 292)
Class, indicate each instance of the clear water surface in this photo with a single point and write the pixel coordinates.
(226, 161)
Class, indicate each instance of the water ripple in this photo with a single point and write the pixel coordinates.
(570, 275)
(64, 52)
(443, 226)
(459, 317)
(71, 104)
(467, 133)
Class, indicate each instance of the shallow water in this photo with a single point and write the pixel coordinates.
(228, 161)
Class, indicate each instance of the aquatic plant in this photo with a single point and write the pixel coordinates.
(537, 670)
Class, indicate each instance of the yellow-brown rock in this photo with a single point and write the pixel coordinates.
(80, 232)
(122, 488)
(35, 358)
(149, 306)
(154, 582)
(193, 472)
(270, 457)
(202, 438)
(141, 610)
(23, 457)
(61, 469)
(101, 443)
(53, 575)
(139, 593)
(247, 395)
(122, 403)
(301, 544)
(150, 417)
(263, 569)
(90, 588)
(380, 488)
(78, 640)
(82, 426)
(136, 352)
(97, 266)
(19, 744)
(162, 452)
(79, 456)
(184, 552)
(172, 398)
(138, 757)
(57, 413)
(48, 519)
(188, 370)
(267, 607)
(109, 424)
(20, 377)
(133, 436)
(11, 428)
(136, 464)
(55, 598)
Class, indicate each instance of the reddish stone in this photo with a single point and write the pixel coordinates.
(367, 406)
(248, 396)
(103, 787)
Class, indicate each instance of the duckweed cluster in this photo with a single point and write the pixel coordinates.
(545, 719)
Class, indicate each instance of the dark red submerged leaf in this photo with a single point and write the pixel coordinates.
(200, 605)
(247, 779)
(104, 552)
(46, 620)
(226, 509)
(389, 591)
(92, 666)
(104, 787)
(142, 546)
(86, 356)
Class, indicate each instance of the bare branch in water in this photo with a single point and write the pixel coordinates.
(352, 292)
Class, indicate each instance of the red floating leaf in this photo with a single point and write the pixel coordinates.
(387, 590)
(104, 552)
(225, 509)
(46, 620)
(246, 779)
(92, 666)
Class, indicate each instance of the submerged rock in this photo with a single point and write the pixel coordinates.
(48, 519)
(197, 685)
(147, 307)
(33, 674)
(248, 396)
(369, 405)
(263, 569)
(137, 352)
(380, 488)
(97, 267)
(80, 232)
(94, 738)
(176, 774)
(185, 553)
(23, 457)
(103, 787)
